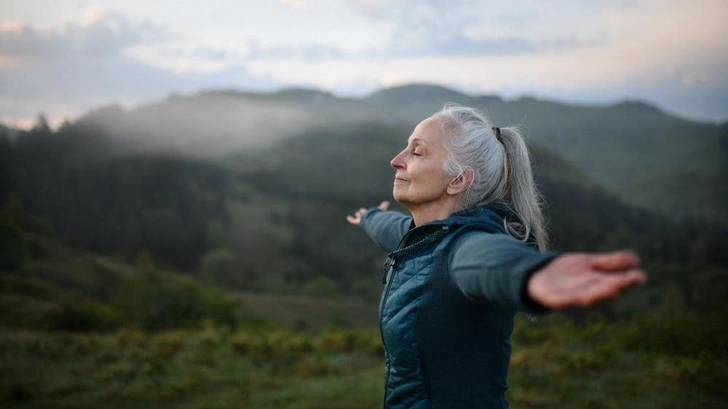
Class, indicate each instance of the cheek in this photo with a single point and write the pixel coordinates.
(435, 174)
(432, 180)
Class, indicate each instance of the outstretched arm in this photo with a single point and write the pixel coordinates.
(584, 280)
(385, 228)
(500, 269)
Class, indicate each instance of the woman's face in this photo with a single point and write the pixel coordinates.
(419, 178)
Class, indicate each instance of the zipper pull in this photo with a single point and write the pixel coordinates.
(385, 269)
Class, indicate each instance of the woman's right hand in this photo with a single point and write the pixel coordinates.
(584, 280)
(356, 218)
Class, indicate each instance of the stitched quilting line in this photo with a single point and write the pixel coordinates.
(427, 241)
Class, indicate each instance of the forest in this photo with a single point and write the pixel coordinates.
(194, 250)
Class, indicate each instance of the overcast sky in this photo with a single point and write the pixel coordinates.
(66, 57)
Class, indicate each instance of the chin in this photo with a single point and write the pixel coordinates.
(398, 196)
(401, 199)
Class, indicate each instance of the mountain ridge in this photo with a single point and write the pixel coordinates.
(622, 145)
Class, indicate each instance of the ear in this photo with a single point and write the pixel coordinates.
(461, 182)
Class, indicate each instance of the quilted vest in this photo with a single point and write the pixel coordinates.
(442, 350)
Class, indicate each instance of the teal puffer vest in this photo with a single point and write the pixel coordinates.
(442, 349)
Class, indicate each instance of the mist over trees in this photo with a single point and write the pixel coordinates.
(249, 191)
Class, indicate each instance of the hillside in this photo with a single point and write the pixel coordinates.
(267, 214)
(625, 146)
(46, 285)
(314, 180)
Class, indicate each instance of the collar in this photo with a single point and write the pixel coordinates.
(491, 216)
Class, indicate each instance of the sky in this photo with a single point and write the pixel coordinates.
(64, 58)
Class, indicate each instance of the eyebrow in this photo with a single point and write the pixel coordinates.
(418, 140)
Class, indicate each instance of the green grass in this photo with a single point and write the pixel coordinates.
(555, 364)
(671, 357)
(301, 312)
(205, 369)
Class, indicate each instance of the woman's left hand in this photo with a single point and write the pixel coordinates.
(583, 280)
(356, 218)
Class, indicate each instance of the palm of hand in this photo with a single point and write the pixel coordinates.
(583, 280)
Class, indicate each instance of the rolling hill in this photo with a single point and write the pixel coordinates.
(625, 147)
(264, 211)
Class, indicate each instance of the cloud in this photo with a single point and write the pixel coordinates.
(371, 8)
(460, 45)
(65, 71)
(476, 28)
(453, 45)
(297, 5)
(99, 34)
(650, 49)
(72, 86)
(305, 52)
(200, 53)
(419, 28)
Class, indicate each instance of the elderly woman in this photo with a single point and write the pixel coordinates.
(470, 255)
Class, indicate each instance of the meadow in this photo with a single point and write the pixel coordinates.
(673, 360)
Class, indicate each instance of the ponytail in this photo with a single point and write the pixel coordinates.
(521, 192)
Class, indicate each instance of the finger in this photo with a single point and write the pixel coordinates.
(384, 205)
(609, 287)
(353, 220)
(615, 261)
(581, 290)
(635, 277)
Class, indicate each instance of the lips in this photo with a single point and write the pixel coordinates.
(400, 179)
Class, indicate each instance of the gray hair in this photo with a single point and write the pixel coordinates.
(501, 168)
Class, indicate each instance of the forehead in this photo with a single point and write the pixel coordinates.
(428, 131)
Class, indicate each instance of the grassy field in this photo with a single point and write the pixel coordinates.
(643, 363)
(79, 330)
(205, 369)
(310, 313)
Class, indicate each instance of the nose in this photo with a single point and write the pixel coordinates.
(398, 161)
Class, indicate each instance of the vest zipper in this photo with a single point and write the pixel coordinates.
(381, 327)
(389, 263)
(389, 266)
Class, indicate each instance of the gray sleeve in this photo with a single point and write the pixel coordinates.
(496, 268)
(386, 229)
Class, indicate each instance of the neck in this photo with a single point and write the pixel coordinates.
(429, 212)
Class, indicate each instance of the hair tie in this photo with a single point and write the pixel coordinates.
(497, 133)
